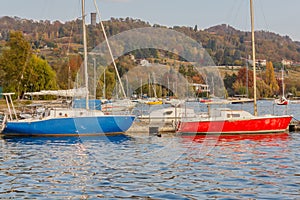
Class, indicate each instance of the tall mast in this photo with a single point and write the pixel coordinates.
(253, 56)
(141, 88)
(85, 56)
(282, 80)
(104, 85)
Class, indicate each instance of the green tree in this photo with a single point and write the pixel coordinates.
(13, 63)
(22, 70)
(41, 76)
(228, 83)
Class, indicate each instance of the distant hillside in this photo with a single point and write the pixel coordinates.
(269, 46)
(60, 44)
(225, 44)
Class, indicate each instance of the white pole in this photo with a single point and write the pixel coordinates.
(85, 57)
(253, 56)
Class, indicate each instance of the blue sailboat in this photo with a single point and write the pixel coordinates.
(90, 123)
(60, 121)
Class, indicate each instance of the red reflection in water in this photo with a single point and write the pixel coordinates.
(237, 137)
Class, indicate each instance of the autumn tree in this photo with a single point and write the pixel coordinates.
(68, 70)
(243, 81)
(270, 79)
(242, 76)
(239, 87)
(263, 90)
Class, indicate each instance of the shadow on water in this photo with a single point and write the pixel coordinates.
(67, 140)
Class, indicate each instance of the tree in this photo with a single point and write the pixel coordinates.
(242, 77)
(228, 83)
(270, 79)
(196, 28)
(263, 90)
(241, 82)
(67, 71)
(23, 71)
(40, 75)
(13, 62)
(239, 87)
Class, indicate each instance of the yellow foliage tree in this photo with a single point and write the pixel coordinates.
(270, 79)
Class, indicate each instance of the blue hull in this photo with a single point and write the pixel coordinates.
(100, 125)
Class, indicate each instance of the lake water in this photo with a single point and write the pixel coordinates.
(142, 166)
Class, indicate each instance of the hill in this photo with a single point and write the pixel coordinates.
(56, 42)
(225, 44)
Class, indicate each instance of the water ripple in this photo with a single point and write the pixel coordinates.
(150, 167)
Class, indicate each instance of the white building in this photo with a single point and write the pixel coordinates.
(286, 62)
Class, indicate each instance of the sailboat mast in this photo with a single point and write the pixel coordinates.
(253, 56)
(282, 80)
(104, 85)
(85, 55)
(141, 88)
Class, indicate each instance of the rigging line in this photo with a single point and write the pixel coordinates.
(27, 59)
(239, 7)
(68, 51)
(296, 119)
(264, 16)
(109, 49)
(230, 11)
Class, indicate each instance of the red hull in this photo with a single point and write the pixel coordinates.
(256, 125)
(205, 100)
(283, 103)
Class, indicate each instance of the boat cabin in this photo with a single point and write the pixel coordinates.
(227, 114)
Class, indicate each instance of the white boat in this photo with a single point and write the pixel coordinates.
(168, 115)
(66, 121)
(118, 105)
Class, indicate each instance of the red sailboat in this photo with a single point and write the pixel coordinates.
(282, 101)
(226, 121)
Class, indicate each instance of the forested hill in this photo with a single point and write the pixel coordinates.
(224, 43)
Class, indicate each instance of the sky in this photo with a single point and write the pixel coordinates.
(278, 16)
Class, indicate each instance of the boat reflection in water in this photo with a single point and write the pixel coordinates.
(236, 137)
(116, 139)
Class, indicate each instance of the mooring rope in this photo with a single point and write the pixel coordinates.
(296, 120)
